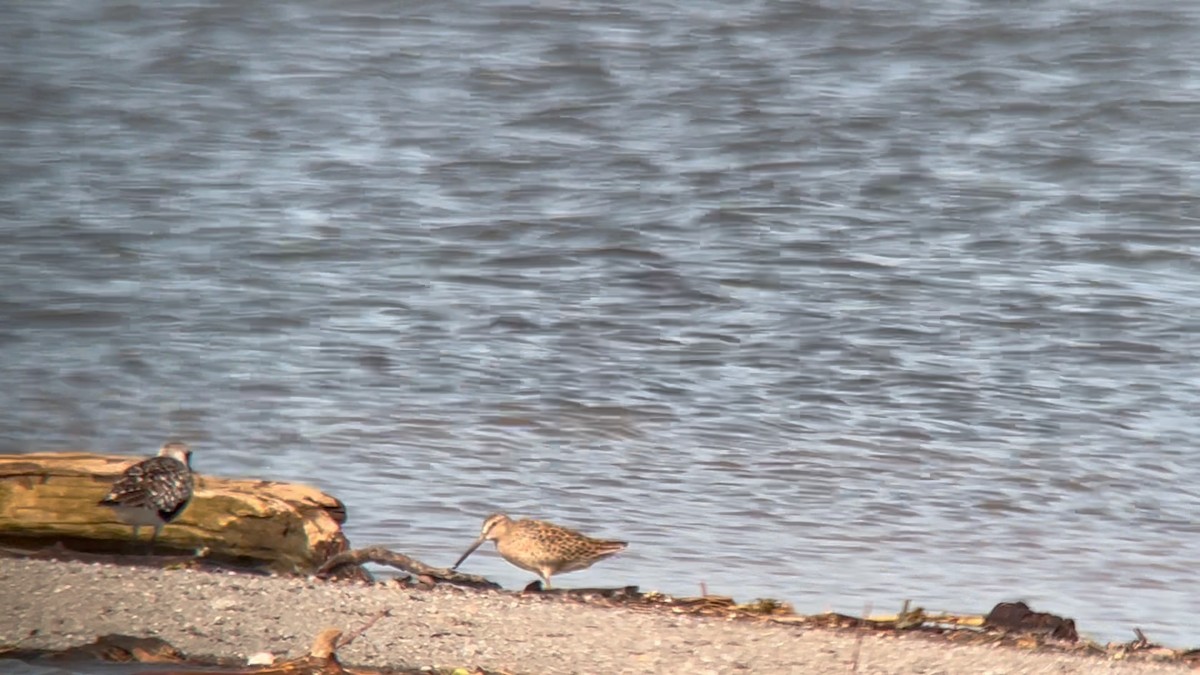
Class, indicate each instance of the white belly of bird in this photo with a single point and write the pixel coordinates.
(138, 516)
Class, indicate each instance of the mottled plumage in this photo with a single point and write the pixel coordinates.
(154, 491)
(541, 547)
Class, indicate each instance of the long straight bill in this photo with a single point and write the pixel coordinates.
(471, 550)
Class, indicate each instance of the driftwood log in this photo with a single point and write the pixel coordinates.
(51, 498)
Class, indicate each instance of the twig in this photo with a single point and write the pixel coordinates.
(1141, 638)
(858, 637)
(703, 590)
(365, 627)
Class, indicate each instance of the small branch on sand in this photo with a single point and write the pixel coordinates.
(858, 638)
(364, 628)
(382, 556)
(1141, 642)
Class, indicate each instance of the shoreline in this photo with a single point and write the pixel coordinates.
(219, 615)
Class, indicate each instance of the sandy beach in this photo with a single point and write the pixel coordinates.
(53, 605)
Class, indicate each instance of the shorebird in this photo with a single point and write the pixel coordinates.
(154, 491)
(541, 547)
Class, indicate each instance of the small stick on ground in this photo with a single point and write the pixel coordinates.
(364, 628)
(1141, 638)
(858, 637)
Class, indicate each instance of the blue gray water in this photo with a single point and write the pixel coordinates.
(843, 303)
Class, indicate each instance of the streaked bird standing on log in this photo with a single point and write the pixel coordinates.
(541, 547)
(154, 491)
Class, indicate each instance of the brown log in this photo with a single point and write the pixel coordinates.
(320, 660)
(48, 498)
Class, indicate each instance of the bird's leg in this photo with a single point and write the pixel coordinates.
(134, 541)
(154, 537)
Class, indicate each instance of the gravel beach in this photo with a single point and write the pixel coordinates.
(60, 604)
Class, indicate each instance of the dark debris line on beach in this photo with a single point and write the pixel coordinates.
(1010, 624)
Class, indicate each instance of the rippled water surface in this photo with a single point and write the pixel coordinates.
(835, 302)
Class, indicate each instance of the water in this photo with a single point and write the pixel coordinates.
(840, 303)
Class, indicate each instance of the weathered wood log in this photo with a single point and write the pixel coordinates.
(320, 660)
(52, 497)
(112, 648)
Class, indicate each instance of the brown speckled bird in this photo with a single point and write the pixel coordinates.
(154, 491)
(541, 547)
